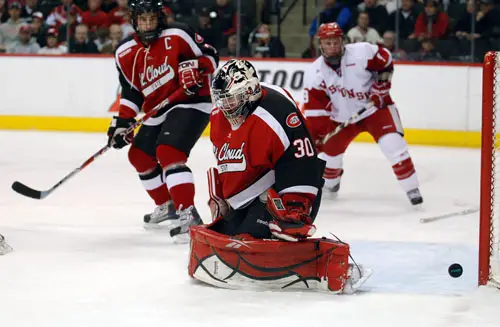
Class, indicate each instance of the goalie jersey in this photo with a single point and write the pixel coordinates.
(272, 148)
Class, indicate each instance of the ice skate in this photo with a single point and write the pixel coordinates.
(162, 213)
(357, 275)
(415, 198)
(4, 247)
(331, 192)
(179, 228)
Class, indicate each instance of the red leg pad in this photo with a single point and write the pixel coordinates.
(243, 262)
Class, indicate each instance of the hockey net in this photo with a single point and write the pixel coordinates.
(489, 229)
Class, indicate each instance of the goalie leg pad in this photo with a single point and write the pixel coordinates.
(244, 262)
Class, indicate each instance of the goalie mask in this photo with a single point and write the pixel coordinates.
(235, 90)
(331, 43)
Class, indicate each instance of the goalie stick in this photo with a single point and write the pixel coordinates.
(35, 194)
(343, 125)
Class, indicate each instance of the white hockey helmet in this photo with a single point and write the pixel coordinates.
(235, 89)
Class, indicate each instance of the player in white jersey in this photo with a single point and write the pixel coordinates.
(341, 82)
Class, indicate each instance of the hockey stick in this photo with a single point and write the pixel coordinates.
(35, 194)
(449, 215)
(343, 125)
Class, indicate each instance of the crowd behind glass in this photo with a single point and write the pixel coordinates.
(419, 30)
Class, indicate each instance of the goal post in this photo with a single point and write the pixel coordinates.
(489, 226)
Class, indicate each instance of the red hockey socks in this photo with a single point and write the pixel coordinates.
(178, 177)
(150, 174)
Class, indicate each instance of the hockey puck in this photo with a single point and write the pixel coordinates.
(455, 270)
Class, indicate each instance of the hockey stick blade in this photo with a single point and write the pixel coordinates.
(449, 215)
(28, 191)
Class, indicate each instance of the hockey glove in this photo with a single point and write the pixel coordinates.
(379, 94)
(118, 126)
(218, 206)
(291, 220)
(190, 77)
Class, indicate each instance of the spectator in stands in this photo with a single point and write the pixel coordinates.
(58, 16)
(108, 5)
(169, 15)
(38, 28)
(427, 51)
(30, 7)
(208, 29)
(117, 15)
(230, 49)
(265, 45)
(407, 19)
(226, 16)
(25, 44)
(488, 19)
(390, 5)
(332, 12)
(81, 43)
(9, 30)
(432, 23)
(115, 35)
(69, 26)
(94, 17)
(102, 37)
(377, 13)
(463, 28)
(4, 11)
(362, 32)
(389, 42)
(127, 28)
(53, 46)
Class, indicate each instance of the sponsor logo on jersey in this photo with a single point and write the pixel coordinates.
(350, 65)
(124, 53)
(293, 120)
(230, 159)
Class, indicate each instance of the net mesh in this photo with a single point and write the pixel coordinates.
(495, 185)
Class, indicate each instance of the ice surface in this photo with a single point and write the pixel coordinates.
(82, 257)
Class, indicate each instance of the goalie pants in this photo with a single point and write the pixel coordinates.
(253, 219)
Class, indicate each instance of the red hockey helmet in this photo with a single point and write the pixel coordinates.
(329, 30)
(331, 42)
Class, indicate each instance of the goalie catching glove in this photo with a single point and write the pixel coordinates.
(291, 219)
(118, 126)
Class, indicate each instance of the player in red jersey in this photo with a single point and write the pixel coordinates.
(154, 62)
(264, 194)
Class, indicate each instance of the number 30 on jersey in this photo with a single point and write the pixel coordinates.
(304, 148)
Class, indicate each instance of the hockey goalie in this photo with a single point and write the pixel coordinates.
(264, 195)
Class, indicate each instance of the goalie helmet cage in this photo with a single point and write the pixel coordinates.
(489, 225)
